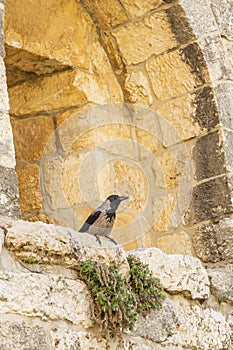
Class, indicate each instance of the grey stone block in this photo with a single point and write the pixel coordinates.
(8, 192)
(209, 156)
(213, 242)
(19, 335)
(210, 199)
(221, 284)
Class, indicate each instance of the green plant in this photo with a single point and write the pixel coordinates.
(30, 261)
(116, 300)
(146, 288)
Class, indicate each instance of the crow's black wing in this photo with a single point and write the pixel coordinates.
(90, 221)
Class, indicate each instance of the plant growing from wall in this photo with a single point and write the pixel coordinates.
(117, 301)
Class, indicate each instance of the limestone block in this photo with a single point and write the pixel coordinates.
(31, 137)
(139, 7)
(67, 37)
(209, 156)
(4, 101)
(221, 284)
(20, 335)
(206, 202)
(193, 11)
(58, 90)
(177, 119)
(214, 242)
(223, 93)
(7, 158)
(108, 14)
(158, 325)
(140, 40)
(207, 112)
(138, 89)
(67, 339)
(50, 244)
(176, 72)
(177, 273)
(29, 187)
(223, 15)
(8, 192)
(47, 297)
(176, 243)
(198, 328)
(2, 237)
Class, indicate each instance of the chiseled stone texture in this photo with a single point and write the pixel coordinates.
(67, 339)
(158, 325)
(47, 297)
(19, 335)
(207, 203)
(8, 192)
(153, 33)
(7, 158)
(177, 273)
(176, 243)
(50, 244)
(199, 328)
(214, 242)
(221, 284)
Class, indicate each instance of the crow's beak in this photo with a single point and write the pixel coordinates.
(123, 198)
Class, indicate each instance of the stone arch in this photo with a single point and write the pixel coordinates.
(178, 70)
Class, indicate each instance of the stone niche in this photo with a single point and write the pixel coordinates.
(119, 98)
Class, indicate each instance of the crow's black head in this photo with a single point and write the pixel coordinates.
(115, 200)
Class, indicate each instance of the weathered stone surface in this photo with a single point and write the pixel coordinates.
(50, 244)
(29, 187)
(8, 192)
(67, 339)
(207, 203)
(108, 14)
(158, 325)
(177, 273)
(20, 335)
(221, 284)
(223, 93)
(193, 10)
(180, 114)
(176, 243)
(153, 33)
(198, 328)
(4, 101)
(47, 297)
(206, 110)
(2, 237)
(214, 242)
(170, 75)
(223, 15)
(138, 89)
(7, 158)
(71, 24)
(31, 136)
(140, 7)
(209, 156)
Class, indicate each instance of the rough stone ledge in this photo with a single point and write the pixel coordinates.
(177, 273)
(221, 284)
(56, 245)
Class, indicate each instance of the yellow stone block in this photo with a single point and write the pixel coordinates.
(137, 88)
(46, 94)
(138, 8)
(39, 217)
(55, 29)
(131, 246)
(163, 210)
(108, 13)
(130, 179)
(178, 119)
(176, 243)
(29, 188)
(170, 75)
(33, 137)
(140, 40)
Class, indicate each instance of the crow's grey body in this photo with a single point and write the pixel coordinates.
(101, 220)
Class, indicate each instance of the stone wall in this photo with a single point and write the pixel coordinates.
(8, 179)
(44, 306)
(128, 97)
